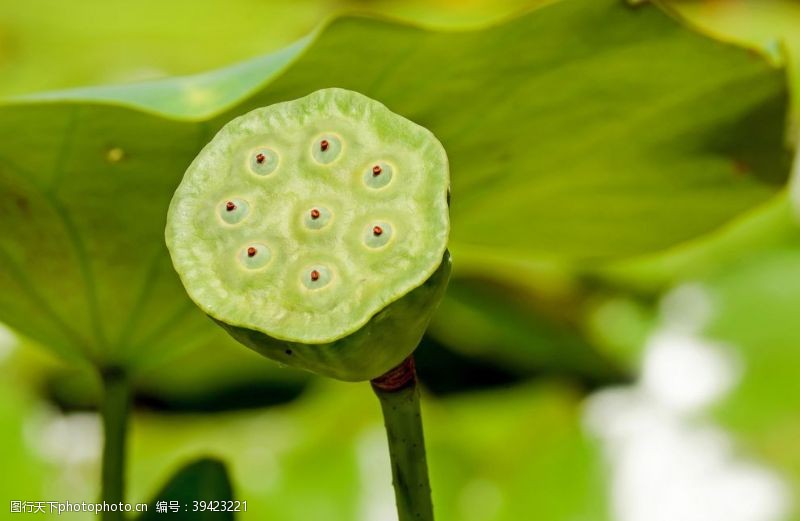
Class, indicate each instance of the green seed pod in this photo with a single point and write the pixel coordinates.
(315, 231)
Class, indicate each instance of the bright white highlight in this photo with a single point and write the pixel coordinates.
(667, 462)
(69, 444)
(67, 439)
(686, 374)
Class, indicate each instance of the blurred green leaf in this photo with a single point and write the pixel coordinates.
(773, 26)
(205, 480)
(518, 331)
(515, 454)
(27, 474)
(583, 131)
(225, 377)
(240, 380)
(756, 313)
(49, 44)
(763, 229)
(508, 454)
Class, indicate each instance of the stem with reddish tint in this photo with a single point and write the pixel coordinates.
(398, 393)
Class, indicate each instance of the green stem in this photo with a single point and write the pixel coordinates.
(399, 396)
(114, 411)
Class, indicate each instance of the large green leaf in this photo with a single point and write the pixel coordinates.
(583, 131)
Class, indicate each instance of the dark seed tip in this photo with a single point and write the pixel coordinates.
(377, 230)
(260, 158)
(323, 145)
(376, 170)
(251, 252)
(314, 275)
(315, 214)
(230, 206)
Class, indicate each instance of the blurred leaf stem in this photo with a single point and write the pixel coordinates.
(115, 411)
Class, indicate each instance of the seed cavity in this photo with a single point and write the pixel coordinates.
(255, 256)
(378, 175)
(317, 218)
(264, 161)
(233, 211)
(316, 276)
(326, 148)
(378, 235)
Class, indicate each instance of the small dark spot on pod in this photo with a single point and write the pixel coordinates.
(263, 161)
(316, 218)
(326, 148)
(377, 234)
(288, 352)
(255, 256)
(378, 175)
(233, 210)
(316, 276)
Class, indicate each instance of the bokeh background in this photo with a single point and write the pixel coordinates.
(664, 387)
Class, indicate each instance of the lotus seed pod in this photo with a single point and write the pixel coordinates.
(315, 232)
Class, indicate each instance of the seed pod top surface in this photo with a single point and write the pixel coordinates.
(304, 219)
